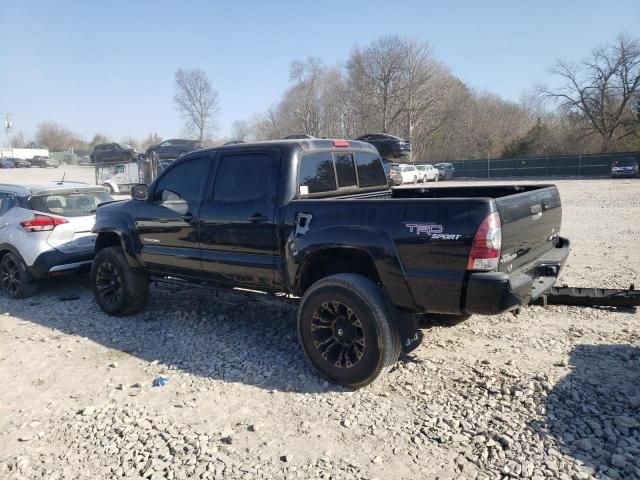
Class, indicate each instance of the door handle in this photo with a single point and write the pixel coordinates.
(257, 218)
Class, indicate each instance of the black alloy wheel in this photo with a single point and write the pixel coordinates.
(108, 283)
(11, 278)
(338, 334)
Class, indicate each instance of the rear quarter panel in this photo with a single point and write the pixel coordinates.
(419, 247)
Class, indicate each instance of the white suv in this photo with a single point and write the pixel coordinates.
(45, 230)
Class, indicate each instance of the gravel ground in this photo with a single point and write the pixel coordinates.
(551, 393)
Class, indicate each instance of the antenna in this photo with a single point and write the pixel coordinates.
(62, 181)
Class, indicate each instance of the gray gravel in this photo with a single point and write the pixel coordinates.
(551, 393)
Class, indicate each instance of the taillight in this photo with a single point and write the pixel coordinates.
(487, 243)
(42, 223)
(340, 143)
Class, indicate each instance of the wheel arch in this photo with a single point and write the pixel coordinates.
(347, 249)
(117, 238)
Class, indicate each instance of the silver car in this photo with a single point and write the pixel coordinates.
(45, 231)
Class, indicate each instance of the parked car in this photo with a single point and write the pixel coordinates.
(395, 175)
(427, 173)
(389, 146)
(19, 162)
(315, 219)
(445, 171)
(44, 162)
(172, 148)
(4, 163)
(625, 167)
(409, 173)
(114, 152)
(46, 233)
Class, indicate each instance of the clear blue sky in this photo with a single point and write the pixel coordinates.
(107, 66)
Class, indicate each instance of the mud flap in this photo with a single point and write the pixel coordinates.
(408, 331)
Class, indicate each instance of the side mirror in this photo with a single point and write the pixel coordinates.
(140, 192)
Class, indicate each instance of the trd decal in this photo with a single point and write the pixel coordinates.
(431, 230)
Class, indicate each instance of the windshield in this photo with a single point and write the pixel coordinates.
(625, 162)
(69, 204)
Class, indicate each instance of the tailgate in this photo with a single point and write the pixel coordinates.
(531, 222)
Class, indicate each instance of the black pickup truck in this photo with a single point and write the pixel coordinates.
(314, 219)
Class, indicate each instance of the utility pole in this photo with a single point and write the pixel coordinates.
(8, 125)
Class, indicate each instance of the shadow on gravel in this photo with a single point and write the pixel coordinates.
(594, 412)
(232, 337)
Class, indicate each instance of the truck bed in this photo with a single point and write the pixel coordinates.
(434, 260)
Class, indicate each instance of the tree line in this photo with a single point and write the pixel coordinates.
(398, 86)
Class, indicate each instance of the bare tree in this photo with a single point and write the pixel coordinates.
(377, 73)
(601, 90)
(197, 101)
(18, 141)
(151, 139)
(54, 136)
(241, 130)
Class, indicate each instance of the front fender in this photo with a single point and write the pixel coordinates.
(123, 226)
(376, 243)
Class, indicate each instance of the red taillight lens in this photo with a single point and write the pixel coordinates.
(42, 223)
(487, 243)
(340, 143)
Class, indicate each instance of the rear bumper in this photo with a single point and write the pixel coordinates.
(496, 292)
(54, 262)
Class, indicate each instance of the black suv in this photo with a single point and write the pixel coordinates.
(173, 148)
(114, 152)
(388, 146)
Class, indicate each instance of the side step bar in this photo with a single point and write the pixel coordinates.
(591, 297)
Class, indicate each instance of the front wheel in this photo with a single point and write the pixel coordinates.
(15, 280)
(345, 330)
(119, 290)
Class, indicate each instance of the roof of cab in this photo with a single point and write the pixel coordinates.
(303, 143)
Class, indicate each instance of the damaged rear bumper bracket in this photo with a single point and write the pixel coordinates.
(591, 297)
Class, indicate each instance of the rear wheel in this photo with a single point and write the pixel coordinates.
(345, 330)
(15, 280)
(118, 289)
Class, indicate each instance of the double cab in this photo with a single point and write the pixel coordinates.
(315, 219)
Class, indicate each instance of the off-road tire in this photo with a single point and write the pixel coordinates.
(15, 280)
(366, 301)
(134, 285)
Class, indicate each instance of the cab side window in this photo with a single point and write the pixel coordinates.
(182, 182)
(242, 177)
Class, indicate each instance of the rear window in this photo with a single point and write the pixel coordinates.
(69, 204)
(345, 170)
(370, 170)
(323, 172)
(316, 173)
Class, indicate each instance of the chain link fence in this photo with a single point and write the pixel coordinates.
(593, 165)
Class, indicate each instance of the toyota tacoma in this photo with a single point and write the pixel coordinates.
(314, 219)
